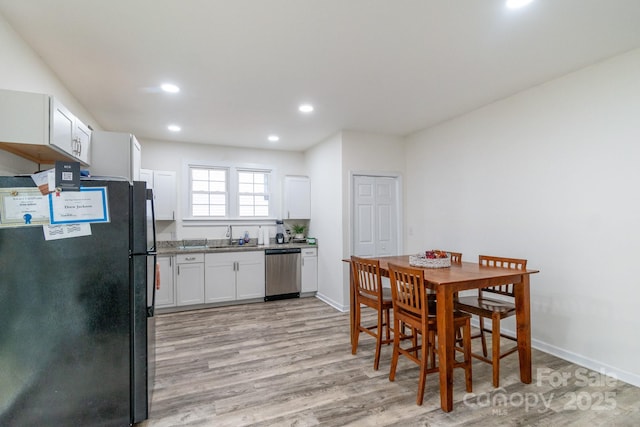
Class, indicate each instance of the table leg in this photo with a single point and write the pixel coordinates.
(523, 327)
(445, 346)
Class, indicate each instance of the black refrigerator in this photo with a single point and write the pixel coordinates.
(76, 317)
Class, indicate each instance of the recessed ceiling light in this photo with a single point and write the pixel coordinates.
(305, 108)
(273, 138)
(174, 128)
(517, 4)
(171, 88)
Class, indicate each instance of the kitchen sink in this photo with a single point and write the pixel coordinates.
(233, 245)
(225, 246)
(203, 244)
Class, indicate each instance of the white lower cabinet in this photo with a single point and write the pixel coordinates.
(220, 277)
(190, 279)
(309, 270)
(231, 276)
(165, 293)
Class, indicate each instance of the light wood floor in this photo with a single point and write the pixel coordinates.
(289, 363)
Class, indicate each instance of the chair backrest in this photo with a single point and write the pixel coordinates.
(408, 291)
(501, 262)
(366, 277)
(456, 257)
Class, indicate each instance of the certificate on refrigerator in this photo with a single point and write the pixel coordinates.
(76, 207)
(23, 206)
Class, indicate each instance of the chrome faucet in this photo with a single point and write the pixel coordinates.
(229, 234)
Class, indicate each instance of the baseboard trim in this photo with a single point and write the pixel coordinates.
(578, 359)
(332, 303)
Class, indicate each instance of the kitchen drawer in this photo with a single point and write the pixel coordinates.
(189, 258)
(309, 252)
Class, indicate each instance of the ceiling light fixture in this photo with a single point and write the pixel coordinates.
(517, 4)
(174, 128)
(170, 88)
(273, 138)
(305, 108)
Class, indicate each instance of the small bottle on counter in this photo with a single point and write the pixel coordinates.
(246, 237)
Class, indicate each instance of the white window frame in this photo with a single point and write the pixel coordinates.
(227, 190)
(232, 193)
(266, 194)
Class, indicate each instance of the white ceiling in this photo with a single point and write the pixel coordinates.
(244, 66)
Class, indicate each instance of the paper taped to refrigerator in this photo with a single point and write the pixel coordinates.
(87, 205)
(24, 206)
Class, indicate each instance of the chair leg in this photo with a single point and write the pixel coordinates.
(424, 356)
(356, 329)
(395, 354)
(482, 337)
(495, 345)
(379, 332)
(388, 325)
(466, 345)
(432, 347)
(414, 340)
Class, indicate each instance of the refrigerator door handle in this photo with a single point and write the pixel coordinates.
(156, 278)
(153, 218)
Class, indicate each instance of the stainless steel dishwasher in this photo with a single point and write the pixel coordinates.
(282, 273)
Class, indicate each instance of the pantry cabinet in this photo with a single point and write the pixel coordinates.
(231, 276)
(39, 128)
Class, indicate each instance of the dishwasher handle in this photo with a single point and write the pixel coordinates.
(282, 251)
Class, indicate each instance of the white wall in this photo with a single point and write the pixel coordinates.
(330, 165)
(366, 153)
(550, 175)
(323, 164)
(172, 156)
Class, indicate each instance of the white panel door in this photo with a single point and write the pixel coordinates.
(364, 216)
(386, 217)
(375, 216)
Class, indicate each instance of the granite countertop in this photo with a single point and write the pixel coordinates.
(214, 246)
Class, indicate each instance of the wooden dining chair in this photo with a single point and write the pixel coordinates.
(409, 295)
(369, 292)
(456, 257)
(485, 305)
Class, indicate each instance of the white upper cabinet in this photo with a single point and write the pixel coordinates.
(115, 154)
(62, 125)
(297, 198)
(165, 194)
(39, 128)
(163, 184)
(69, 133)
(82, 143)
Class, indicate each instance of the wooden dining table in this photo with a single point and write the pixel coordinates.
(460, 277)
